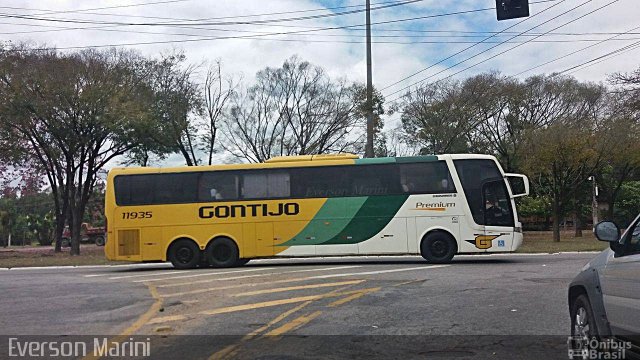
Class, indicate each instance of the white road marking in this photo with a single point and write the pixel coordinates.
(199, 274)
(258, 275)
(378, 272)
(81, 267)
(146, 275)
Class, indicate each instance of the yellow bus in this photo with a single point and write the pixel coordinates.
(313, 205)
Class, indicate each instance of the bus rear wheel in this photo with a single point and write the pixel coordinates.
(184, 254)
(438, 248)
(223, 252)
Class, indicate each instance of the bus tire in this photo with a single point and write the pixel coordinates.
(222, 252)
(184, 254)
(438, 247)
(242, 262)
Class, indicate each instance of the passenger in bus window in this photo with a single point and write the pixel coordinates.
(494, 213)
(408, 187)
(215, 194)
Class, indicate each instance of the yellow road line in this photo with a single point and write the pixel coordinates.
(258, 275)
(200, 291)
(140, 322)
(301, 287)
(164, 319)
(294, 324)
(230, 349)
(264, 304)
(353, 297)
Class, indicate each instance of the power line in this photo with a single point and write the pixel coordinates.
(517, 46)
(349, 27)
(47, 12)
(469, 47)
(314, 30)
(107, 7)
(575, 52)
(254, 22)
(495, 46)
(601, 57)
(357, 41)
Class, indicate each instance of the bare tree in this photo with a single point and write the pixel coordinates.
(177, 103)
(295, 109)
(217, 95)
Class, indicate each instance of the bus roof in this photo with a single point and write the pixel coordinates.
(301, 161)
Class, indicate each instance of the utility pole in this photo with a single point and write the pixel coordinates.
(368, 150)
(594, 201)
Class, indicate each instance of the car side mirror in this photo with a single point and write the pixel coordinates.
(607, 231)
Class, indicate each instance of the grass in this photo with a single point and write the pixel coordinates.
(45, 256)
(542, 242)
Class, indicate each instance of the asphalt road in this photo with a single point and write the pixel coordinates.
(497, 306)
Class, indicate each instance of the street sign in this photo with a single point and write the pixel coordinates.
(511, 9)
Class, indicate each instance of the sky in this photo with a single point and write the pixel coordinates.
(414, 37)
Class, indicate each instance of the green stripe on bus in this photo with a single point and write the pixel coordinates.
(372, 217)
(414, 159)
(333, 217)
(384, 160)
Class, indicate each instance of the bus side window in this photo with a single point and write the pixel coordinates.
(266, 185)
(217, 186)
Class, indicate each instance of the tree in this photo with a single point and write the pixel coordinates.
(292, 110)
(623, 124)
(175, 104)
(217, 95)
(563, 154)
(380, 147)
(72, 113)
(437, 117)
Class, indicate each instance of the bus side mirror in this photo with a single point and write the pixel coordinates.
(519, 185)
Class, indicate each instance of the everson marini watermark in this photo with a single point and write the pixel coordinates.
(98, 347)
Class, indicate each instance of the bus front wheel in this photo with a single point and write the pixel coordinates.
(438, 248)
(223, 252)
(184, 254)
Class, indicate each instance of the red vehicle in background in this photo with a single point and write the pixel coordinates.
(89, 234)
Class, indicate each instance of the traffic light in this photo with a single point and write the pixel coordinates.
(511, 9)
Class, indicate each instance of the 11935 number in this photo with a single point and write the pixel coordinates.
(137, 215)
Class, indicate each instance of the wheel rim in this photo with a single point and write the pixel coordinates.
(184, 255)
(581, 325)
(222, 253)
(439, 248)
